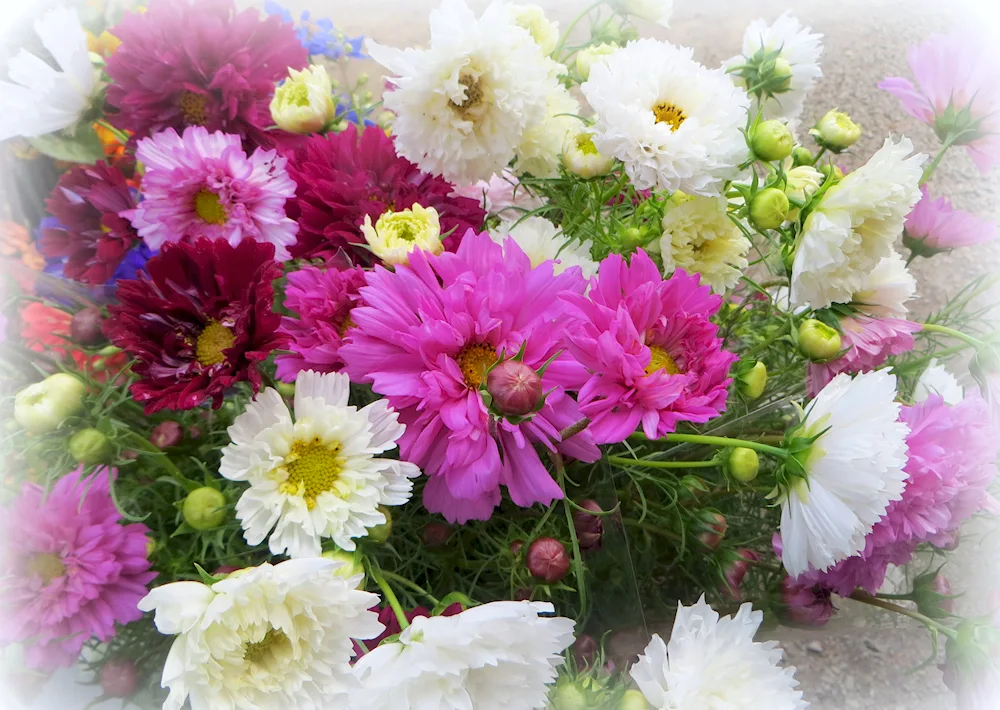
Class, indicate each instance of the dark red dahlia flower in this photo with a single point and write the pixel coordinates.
(89, 233)
(200, 322)
(200, 63)
(342, 178)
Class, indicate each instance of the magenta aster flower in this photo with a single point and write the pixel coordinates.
(342, 178)
(72, 569)
(653, 356)
(934, 226)
(202, 184)
(199, 323)
(805, 604)
(957, 92)
(323, 299)
(200, 63)
(425, 338)
(89, 233)
(868, 342)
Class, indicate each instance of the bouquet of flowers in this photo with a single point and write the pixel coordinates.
(537, 382)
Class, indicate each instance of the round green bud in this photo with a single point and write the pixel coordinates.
(285, 389)
(771, 140)
(204, 508)
(381, 533)
(633, 700)
(90, 446)
(818, 341)
(41, 407)
(569, 696)
(830, 170)
(836, 131)
(781, 75)
(632, 237)
(350, 564)
(801, 156)
(743, 464)
(752, 382)
(769, 209)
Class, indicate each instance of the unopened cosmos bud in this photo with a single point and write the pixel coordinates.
(516, 389)
(204, 508)
(547, 560)
(769, 208)
(818, 341)
(771, 140)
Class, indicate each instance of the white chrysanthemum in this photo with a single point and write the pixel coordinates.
(538, 153)
(41, 99)
(800, 48)
(886, 288)
(541, 241)
(853, 470)
(714, 663)
(495, 656)
(674, 123)
(937, 380)
(658, 11)
(318, 476)
(698, 236)
(854, 226)
(544, 31)
(462, 106)
(267, 637)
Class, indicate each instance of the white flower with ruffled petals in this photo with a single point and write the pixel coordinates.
(319, 475)
(538, 153)
(271, 637)
(937, 380)
(714, 663)
(658, 11)
(541, 241)
(699, 237)
(490, 657)
(853, 470)
(674, 123)
(886, 289)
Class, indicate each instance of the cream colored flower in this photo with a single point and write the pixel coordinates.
(541, 241)
(658, 11)
(588, 57)
(802, 182)
(396, 234)
(581, 157)
(544, 31)
(304, 102)
(538, 153)
(699, 237)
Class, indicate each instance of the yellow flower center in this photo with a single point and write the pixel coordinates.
(585, 144)
(473, 92)
(345, 325)
(313, 468)
(668, 113)
(209, 208)
(193, 108)
(659, 359)
(213, 342)
(261, 653)
(474, 360)
(48, 566)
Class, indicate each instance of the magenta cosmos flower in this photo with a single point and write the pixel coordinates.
(425, 338)
(868, 342)
(323, 299)
(72, 569)
(200, 63)
(934, 226)
(653, 356)
(202, 184)
(957, 92)
(342, 178)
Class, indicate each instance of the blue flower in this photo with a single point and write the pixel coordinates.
(319, 37)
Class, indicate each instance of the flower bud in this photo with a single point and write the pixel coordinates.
(802, 156)
(781, 76)
(933, 595)
(515, 547)
(542, 30)
(166, 434)
(830, 170)
(396, 234)
(204, 508)
(805, 604)
(589, 528)
(85, 327)
(90, 446)
(743, 464)
(119, 678)
(568, 695)
(223, 570)
(516, 389)
(304, 102)
(435, 535)
(547, 560)
(587, 58)
(802, 182)
(350, 565)
(836, 131)
(752, 382)
(381, 533)
(771, 140)
(736, 570)
(41, 407)
(633, 700)
(581, 157)
(818, 341)
(713, 528)
(584, 650)
(769, 209)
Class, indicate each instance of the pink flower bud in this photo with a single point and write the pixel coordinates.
(805, 604)
(584, 650)
(166, 434)
(713, 528)
(119, 678)
(516, 546)
(548, 560)
(436, 535)
(516, 388)
(589, 528)
(85, 327)
(224, 569)
(735, 572)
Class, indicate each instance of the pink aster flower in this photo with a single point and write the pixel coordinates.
(202, 184)
(425, 338)
(72, 569)
(868, 342)
(323, 299)
(934, 225)
(805, 604)
(502, 195)
(957, 92)
(652, 354)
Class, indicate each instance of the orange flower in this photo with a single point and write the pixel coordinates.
(15, 243)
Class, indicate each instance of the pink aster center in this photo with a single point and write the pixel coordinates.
(659, 359)
(474, 360)
(48, 566)
(193, 108)
(209, 207)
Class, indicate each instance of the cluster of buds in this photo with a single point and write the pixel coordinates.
(765, 74)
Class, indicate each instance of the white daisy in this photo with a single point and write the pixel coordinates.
(852, 471)
(658, 11)
(937, 380)
(713, 663)
(267, 637)
(317, 476)
(799, 48)
(674, 123)
(462, 106)
(854, 226)
(495, 656)
(538, 152)
(886, 288)
(541, 241)
(699, 237)
(41, 99)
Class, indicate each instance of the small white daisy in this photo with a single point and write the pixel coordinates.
(886, 288)
(699, 237)
(852, 471)
(937, 380)
(541, 241)
(319, 475)
(715, 663)
(674, 123)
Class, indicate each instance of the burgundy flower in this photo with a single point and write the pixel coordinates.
(200, 322)
(342, 178)
(200, 63)
(89, 233)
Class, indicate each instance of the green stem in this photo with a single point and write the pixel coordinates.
(819, 155)
(945, 330)
(572, 25)
(412, 585)
(949, 141)
(866, 598)
(624, 461)
(376, 574)
(722, 441)
(581, 581)
(120, 136)
(161, 456)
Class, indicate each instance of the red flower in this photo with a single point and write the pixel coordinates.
(200, 322)
(45, 329)
(90, 234)
(341, 178)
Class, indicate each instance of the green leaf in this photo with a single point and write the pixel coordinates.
(83, 147)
